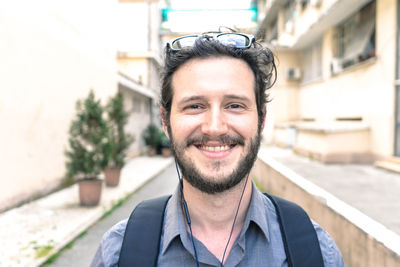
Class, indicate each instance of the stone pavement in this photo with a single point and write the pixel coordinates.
(82, 251)
(373, 191)
(366, 196)
(30, 234)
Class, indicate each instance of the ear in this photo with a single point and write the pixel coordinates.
(164, 120)
(264, 115)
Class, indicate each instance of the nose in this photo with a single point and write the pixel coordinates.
(215, 123)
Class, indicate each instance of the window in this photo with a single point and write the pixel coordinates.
(312, 62)
(356, 37)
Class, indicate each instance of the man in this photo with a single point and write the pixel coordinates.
(213, 106)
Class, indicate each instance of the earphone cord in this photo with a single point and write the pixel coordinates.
(189, 222)
(234, 220)
(187, 213)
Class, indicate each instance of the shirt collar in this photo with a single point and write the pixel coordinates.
(175, 225)
(257, 213)
(174, 222)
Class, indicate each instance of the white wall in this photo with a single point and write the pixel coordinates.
(132, 22)
(52, 53)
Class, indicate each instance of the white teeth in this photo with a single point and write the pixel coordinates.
(215, 148)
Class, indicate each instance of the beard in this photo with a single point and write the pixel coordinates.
(211, 185)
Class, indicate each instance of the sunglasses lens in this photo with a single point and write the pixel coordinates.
(236, 40)
(229, 39)
(183, 42)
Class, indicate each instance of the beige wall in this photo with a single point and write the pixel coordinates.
(339, 142)
(136, 68)
(365, 90)
(284, 93)
(358, 247)
(284, 105)
(139, 108)
(51, 56)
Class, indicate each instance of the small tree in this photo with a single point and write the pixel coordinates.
(86, 140)
(117, 140)
(152, 136)
(165, 142)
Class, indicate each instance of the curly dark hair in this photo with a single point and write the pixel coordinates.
(259, 59)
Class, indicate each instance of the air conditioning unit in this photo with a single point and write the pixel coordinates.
(293, 74)
(315, 3)
(336, 65)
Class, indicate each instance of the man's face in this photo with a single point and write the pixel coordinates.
(213, 122)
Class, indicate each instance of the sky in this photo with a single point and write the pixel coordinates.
(204, 15)
(208, 15)
(210, 4)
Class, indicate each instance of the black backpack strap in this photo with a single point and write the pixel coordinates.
(299, 237)
(141, 243)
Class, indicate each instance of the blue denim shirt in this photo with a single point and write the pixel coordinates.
(259, 243)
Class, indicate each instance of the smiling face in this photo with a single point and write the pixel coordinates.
(213, 124)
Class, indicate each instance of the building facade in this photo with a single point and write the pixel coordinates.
(52, 54)
(138, 63)
(335, 98)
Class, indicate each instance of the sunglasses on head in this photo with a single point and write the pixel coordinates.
(237, 40)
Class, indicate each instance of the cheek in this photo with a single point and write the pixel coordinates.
(184, 126)
(246, 126)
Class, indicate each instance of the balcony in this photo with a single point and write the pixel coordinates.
(314, 23)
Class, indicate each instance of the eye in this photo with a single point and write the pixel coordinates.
(235, 106)
(193, 106)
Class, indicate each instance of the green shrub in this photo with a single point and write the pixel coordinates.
(118, 141)
(152, 136)
(87, 133)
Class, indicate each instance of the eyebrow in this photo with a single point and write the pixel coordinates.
(190, 98)
(239, 97)
(194, 98)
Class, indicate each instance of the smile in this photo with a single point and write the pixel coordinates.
(215, 148)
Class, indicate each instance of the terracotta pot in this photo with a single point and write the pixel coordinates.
(152, 152)
(90, 191)
(166, 152)
(111, 176)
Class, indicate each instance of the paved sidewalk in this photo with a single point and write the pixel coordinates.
(35, 231)
(82, 251)
(373, 191)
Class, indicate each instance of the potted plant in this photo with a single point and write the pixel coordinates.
(165, 145)
(152, 138)
(117, 140)
(84, 156)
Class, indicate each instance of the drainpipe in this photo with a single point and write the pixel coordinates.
(397, 85)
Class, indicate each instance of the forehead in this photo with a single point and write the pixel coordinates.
(220, 75)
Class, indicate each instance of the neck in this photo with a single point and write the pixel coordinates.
(212, 216)
(216, 212)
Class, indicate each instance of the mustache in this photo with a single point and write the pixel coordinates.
(223, 139)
